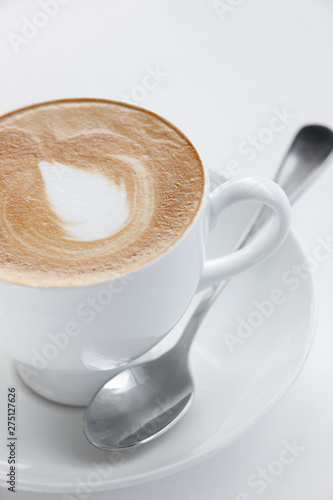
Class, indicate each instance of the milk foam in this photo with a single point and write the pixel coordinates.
(89, 204)
(90, 190)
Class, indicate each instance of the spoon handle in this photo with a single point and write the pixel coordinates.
(293, 176)
(313, 142)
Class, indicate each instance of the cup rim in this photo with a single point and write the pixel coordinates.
(169, 249)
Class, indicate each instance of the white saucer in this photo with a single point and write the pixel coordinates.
(234, 387)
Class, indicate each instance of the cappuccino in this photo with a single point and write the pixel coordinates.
(91, 189)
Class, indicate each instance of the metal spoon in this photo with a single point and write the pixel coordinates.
(143, 401)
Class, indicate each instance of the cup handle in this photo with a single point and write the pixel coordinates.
(248, 189)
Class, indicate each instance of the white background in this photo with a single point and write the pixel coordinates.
(224, 72)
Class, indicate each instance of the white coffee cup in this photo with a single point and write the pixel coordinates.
(65, 341)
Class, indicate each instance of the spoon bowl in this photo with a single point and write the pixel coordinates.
(144, 403)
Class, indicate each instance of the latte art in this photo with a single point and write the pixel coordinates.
(90, 190)
(90, 206)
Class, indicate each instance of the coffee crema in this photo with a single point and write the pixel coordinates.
(90, 190)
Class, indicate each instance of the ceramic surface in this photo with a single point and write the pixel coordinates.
(239, 372)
